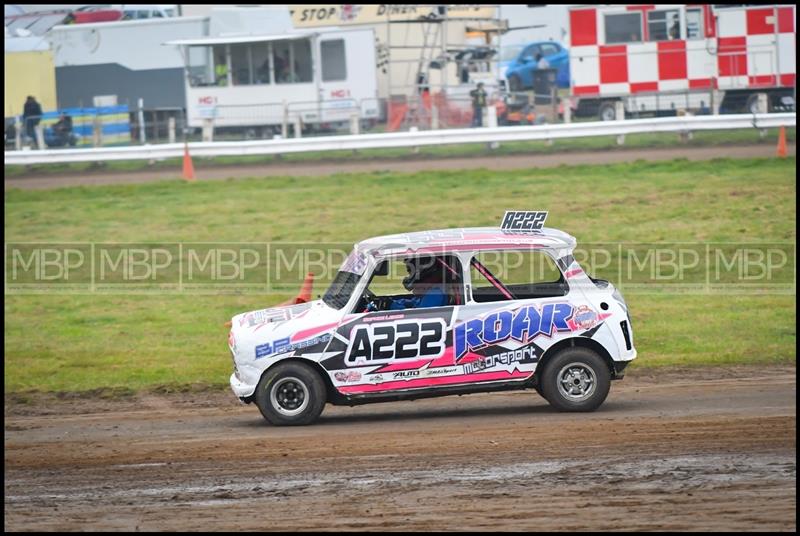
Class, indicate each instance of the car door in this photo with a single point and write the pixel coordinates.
(392, 350)
(528, 60)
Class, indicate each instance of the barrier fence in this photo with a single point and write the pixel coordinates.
(684, 124)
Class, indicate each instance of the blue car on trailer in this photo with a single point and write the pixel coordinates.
(522, 60)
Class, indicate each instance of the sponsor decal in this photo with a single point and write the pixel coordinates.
(522, 325)
(281, 346)
(383, 317)
(376, 378)
(523, 220)
(501, 358)
(263, 316)
(584, 317)
(405, 374)
(349, 376)
(440, 371)
(410, 339)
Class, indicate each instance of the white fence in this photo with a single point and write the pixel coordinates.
(405, 139)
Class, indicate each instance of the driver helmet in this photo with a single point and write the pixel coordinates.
(419, 269)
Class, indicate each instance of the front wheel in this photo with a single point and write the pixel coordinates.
(576, 379)
(291, 394)
(514, 83)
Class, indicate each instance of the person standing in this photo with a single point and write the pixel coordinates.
(31, 115)
(478, 104)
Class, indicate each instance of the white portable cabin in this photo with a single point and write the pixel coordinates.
(665, 57)
(268, 80)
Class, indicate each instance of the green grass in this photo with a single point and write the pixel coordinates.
(600, 143)
(60, 342)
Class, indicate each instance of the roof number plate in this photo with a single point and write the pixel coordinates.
(523, 220)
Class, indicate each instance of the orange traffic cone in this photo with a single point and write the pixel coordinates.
(188, 167)
(305, 291)
(782, 143)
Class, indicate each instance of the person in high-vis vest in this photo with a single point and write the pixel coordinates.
(221, 70)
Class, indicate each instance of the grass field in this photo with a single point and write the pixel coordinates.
(61, 342)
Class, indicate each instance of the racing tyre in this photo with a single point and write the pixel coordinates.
(291, 394)
(576, 379)
(514, 83)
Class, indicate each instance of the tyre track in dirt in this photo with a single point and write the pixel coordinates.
(693, 449)
(406, 165)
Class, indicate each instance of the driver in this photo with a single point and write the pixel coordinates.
(426, 281)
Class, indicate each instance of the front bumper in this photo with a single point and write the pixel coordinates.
(240, 388)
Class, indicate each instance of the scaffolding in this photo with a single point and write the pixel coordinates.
(424, 103)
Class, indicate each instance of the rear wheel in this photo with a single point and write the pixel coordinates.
(291, 394)
(576, 379)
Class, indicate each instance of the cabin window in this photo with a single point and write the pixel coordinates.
(241, 65)
(664, 25)
(334, 65)
(292, 61)
(201, 65)
(694, 24)
(623, 28)
(261, 66)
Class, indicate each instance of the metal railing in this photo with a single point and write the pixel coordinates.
(681, 124)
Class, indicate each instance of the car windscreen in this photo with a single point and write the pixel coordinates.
(342, 287)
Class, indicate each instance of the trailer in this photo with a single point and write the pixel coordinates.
(669, 57)
(314, 77)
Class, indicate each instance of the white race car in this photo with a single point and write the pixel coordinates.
(439, 312)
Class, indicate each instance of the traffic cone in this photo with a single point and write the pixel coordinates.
(305, 291)
(304, 295)
(782, 143)
(188, 167)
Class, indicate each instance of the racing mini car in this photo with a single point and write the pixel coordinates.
(436, 313)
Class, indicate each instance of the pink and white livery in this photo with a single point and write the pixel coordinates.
(654, 57)
(516, 311)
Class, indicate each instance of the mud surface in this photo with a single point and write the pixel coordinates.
(404, 165)
(708, 449)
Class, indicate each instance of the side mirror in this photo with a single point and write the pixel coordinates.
(382, 268)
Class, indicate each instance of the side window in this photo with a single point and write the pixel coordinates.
(549, 50)
(694, 24)
(664, 25)
(515, 275)
(201, 71)
(531, 53)
(302, 60)
(623, 28)
(292, 61)
(414, 283)
(240, 63)
(334, 65)
(260, 53)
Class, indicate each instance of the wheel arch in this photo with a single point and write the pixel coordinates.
(571, 342)
(331, 393)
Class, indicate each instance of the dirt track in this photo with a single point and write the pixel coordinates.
(710, 449)
(410, 164)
